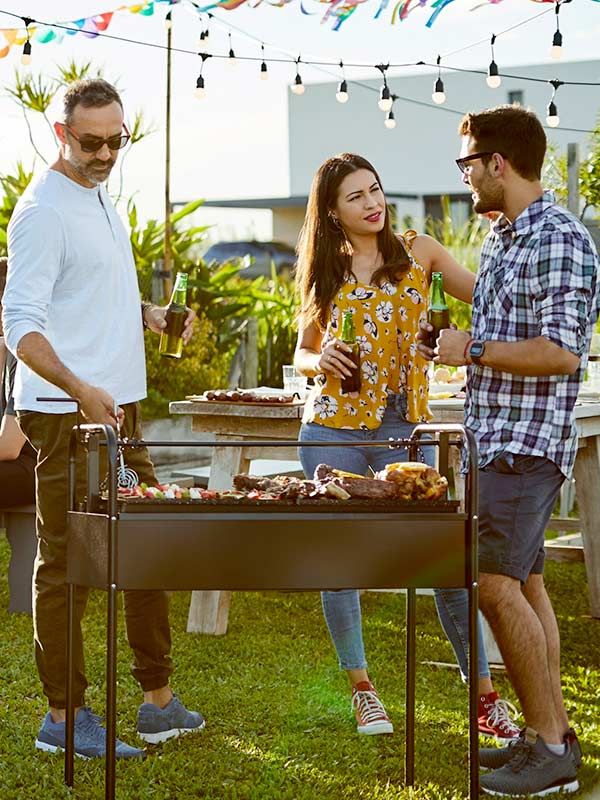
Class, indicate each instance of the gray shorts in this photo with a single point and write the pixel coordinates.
(517, 494)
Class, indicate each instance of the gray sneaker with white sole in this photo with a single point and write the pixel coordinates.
(156, 725)
(533, 770)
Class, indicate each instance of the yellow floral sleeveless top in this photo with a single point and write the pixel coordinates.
(386, 321)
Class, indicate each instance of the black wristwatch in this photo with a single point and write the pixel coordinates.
(476, 351)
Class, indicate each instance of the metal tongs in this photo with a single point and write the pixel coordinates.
(127, 478)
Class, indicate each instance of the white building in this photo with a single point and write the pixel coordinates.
(416, 160)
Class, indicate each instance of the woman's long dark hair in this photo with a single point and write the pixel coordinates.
(324, 252)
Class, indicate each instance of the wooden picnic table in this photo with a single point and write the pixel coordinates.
(209, 610)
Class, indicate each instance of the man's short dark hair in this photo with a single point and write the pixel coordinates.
(89, 93)
(514, 132)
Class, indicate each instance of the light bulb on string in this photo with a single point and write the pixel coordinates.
(557, 39)
(26, 57)
(390, 120)
(552, 118)
(439, 95)
(200, 92)
(169, 21)
(298, 87)
(342, 90)
(556, 49)
(232, 61)
(264, 73)
(493, 79)
(385, 96)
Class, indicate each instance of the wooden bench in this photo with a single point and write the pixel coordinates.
(19, 526)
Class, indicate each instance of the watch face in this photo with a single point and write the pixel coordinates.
(476, 349)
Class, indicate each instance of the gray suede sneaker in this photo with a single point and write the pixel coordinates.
(533, 770)
(89, 739)
(156, 725)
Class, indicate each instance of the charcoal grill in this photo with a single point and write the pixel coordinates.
(256, 545)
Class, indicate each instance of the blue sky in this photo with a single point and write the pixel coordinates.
(234, 142)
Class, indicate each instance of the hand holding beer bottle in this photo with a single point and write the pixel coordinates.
(352, 382)
(171, 341)
(438, 315)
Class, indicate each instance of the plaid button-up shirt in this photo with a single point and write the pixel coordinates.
(538, 276)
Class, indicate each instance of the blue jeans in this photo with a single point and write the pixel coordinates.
(342, 608)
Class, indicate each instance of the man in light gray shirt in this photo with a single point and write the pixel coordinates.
(72, 316)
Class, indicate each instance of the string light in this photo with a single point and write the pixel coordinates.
(493, 80)
(264, 73)
(552, 117)
(385, 96)
(232, 61)
(342, 90)
(26, 56)
(439, 96)
(556, 49)
(386, 99)
(390, 119)
(169, 21)
(298, 87)
(200, 92)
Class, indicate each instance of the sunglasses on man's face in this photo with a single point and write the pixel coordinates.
(464, 165)
(91, 144)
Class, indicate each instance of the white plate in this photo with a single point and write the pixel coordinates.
(436, 388)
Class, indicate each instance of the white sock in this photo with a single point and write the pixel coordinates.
(557, 749)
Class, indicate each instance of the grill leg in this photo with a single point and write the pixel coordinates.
(70, 711)
(473, 693)
(111, 693)
(410, 686)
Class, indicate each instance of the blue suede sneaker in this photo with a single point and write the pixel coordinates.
(156, 725)
(90, 737)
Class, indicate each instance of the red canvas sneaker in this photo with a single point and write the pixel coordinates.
(494, 718)
(370, 713)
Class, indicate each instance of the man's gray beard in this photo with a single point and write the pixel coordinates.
(84, 172)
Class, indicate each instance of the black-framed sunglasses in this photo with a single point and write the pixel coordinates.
(91, 144)
(463, 163)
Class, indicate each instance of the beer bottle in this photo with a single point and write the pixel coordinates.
(438, 315)
(352, 383)
(171, 343)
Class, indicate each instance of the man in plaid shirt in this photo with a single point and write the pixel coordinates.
(535, 305)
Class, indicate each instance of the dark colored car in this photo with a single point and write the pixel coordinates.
(256, 257)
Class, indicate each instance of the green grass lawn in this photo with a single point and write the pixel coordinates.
(278, 719)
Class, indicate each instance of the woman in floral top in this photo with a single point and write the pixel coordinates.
(349, 259)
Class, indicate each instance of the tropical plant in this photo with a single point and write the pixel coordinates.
(464, 243)
(147, 242)
(555, 175)
(13, 186)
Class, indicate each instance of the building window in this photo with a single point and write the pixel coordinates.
(515, 98)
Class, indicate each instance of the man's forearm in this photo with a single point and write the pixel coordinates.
(530, 357)
(37, 353)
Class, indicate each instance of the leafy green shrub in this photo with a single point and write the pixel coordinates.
(199, 368)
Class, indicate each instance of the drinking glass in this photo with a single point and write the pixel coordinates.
(293, 381)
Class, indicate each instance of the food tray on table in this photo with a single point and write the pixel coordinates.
(247, 397)
(142, 505)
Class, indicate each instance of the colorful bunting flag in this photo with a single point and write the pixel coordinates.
(338, 11)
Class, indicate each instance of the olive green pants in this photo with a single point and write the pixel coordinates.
(146, 613)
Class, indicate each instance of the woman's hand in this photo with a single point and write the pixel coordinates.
(334, 359)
